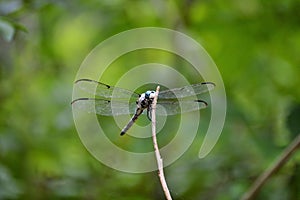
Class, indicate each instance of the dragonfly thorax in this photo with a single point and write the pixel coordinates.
(145, 100)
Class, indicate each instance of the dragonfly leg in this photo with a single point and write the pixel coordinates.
(149, 109)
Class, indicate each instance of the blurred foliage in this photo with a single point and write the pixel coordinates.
(254, 43)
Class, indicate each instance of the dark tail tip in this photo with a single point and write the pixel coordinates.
(122, 133)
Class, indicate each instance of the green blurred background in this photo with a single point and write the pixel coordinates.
(255, 44)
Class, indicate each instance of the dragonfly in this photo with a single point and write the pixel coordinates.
(109, 100)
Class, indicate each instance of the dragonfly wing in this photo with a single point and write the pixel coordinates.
(173, 107)
(105, 91)
(104, 107)
(186, 91)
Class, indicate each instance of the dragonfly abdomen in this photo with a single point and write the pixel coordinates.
(132, 120)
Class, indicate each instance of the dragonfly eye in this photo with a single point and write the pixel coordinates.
(149, 94)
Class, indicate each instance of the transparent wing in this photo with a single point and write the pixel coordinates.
(186, 91)
(114, 100)
(104, 107)
(105, 91)
(173, 107)
(109, 108)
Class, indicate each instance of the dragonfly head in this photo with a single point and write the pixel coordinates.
(149, 94)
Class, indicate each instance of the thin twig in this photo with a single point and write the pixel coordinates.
(280, 161)
(157, 154)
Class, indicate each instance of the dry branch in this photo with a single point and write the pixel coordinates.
(157, 153)
(280, 161)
